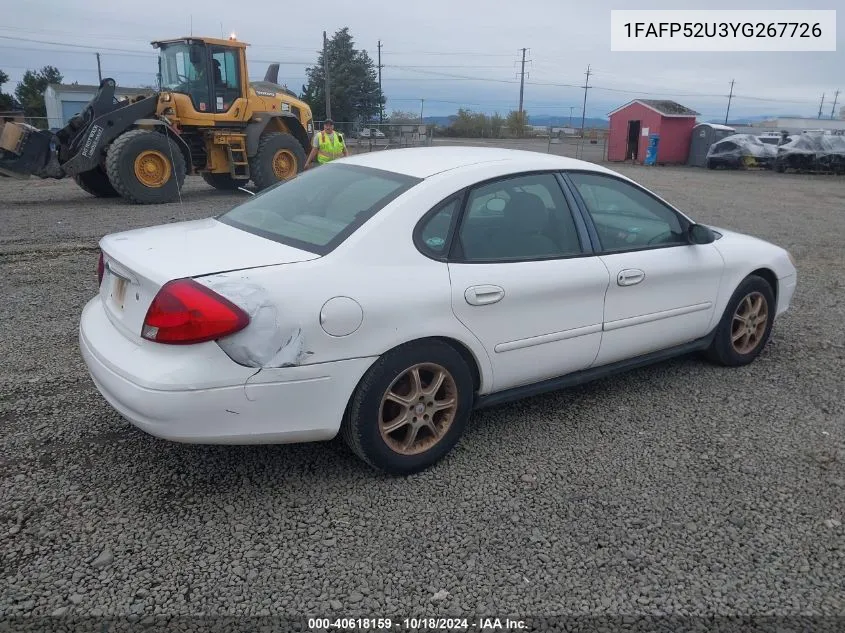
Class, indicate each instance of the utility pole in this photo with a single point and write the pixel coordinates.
(821, 105)
(380, 93)
(584, 110)
(521, 82)
(522, 91)
(326, 72)
(422, 103)
(730, 97)
(835, 99)
(99, 71)
(571, 108)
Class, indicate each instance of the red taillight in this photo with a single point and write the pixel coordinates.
(185, 311)
(101, 269)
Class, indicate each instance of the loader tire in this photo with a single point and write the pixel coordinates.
(279, 157)
(96, 182)
(145, 167)
(224, 182)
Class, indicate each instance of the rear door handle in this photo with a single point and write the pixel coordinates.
(484, 295)
(630, 277)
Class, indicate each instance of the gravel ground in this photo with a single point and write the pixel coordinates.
(681, 489)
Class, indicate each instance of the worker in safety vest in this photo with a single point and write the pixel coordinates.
(327, 145)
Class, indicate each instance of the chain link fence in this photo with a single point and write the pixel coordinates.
(371, 137)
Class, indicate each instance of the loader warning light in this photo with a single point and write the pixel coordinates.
(232, 37)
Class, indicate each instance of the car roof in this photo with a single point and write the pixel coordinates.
(422, 162)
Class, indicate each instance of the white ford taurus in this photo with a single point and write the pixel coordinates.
(387, 295)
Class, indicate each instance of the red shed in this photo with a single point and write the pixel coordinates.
(633, 123)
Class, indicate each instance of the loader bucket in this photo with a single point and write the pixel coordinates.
(24, 150)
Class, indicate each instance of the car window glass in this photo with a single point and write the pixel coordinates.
(626, 217)
(518, 218)
(435, 231)
(319, 208)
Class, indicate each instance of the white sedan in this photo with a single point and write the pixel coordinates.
(387, 295)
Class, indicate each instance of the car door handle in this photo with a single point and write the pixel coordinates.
(484, 295)
(630, 277)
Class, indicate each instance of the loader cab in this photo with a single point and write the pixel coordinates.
(210, 72)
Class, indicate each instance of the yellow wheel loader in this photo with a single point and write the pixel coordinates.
(207, 118)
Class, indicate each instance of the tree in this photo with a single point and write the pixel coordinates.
(355, 94)
(30, 90)
(5, 100)
(496, 125)
(400, 116)
(517, 122)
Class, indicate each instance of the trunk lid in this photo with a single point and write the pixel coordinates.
(139, 262)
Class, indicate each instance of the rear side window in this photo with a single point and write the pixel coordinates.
(320, 208)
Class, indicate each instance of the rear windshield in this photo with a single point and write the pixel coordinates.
(321, 207)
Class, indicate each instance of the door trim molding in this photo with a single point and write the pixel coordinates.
(594, 373)
(656, 316)
(548, 338)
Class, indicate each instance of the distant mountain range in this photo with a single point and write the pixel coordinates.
(554, 121)
(753, 119)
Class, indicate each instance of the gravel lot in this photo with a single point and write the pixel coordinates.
(680, 489)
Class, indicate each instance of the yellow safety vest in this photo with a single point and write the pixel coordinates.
(330, 147)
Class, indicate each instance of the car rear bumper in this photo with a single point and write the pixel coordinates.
(197, 394)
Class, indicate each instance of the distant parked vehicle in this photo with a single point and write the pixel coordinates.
(812, 152)
(740, 151)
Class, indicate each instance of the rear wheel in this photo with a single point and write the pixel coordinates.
(96, 182)
(145, 167)
(411, 408)
(279, 157)
(224, 182)
(746, 324)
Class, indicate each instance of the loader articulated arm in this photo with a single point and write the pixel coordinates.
(77, 147)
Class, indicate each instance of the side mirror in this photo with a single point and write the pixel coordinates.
(700, 234)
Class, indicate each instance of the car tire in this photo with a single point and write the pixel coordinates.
(746, 324)
(432, 428)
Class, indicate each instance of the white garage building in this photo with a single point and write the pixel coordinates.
(63, 100)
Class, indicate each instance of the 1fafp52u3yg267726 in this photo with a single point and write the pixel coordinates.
(387, 295)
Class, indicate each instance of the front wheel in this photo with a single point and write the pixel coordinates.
(145, 167)
(279, 157)
(410, 408)
(746, 324)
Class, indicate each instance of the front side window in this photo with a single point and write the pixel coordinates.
(625, 217)
(518, 218)
(184, 69)
(319, 208)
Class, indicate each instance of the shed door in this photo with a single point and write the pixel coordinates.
(71, 108)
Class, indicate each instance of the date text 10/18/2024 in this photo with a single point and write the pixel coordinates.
(412, 624)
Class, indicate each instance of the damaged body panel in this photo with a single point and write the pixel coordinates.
(267, 341)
